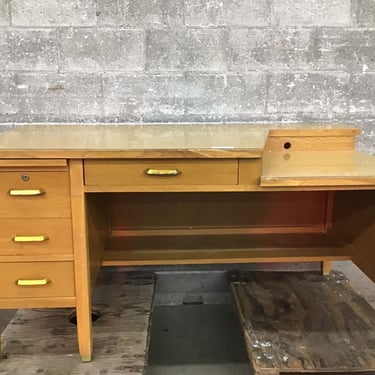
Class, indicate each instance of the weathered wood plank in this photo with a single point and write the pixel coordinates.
(304, 322)
(44, 341)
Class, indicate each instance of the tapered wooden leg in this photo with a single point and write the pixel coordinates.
(326, 267)
(84, 329)
(81, 260)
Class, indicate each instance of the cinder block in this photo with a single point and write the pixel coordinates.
(7, 84)
(111, 12)
(366, 141)
(202, 95)
(8, 108)
(340, 49)
(9, 105)
(22, 49)
(320, 95)
(141, 95)
(51, 97)
(279, 49)
(78, 85)
(184, 97)
(186, 49)
(101, 50)
(227, 13)
(4, 13)
(364, 12)
(59, 108)
(53, 13)
(147, 86)
(140, 13)
(362, 94)
(156, 13)
(245, 94)
(227, 95)
(312, 13)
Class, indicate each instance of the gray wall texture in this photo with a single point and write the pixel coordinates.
(150, 61)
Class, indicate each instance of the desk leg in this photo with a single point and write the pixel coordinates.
(81, 260)
(326, 267)
(83, 309)
(84, 330)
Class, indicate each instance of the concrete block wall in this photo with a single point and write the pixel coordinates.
(157, 61)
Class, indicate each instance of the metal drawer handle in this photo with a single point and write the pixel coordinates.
(32, 282)
(40, 238)
(162, 172)
(29, 192)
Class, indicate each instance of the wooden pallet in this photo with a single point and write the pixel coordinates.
(44, 341)
(304, 323)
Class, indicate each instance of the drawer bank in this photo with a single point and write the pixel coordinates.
(74, 198)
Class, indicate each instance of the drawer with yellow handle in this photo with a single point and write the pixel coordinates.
(40, 236)
(161, 172)
(34, 194)
(37, 280)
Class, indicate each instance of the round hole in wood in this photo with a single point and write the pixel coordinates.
(287, 145)
(95, 315)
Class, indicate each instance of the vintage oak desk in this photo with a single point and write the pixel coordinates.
(75, 198)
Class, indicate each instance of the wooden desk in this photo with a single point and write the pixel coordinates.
(75, 198)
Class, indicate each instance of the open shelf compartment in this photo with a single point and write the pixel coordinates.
(208, 228)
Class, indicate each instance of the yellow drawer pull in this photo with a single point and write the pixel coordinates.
(162, 172)
(36, 282)
(40, 238)
(29, 192)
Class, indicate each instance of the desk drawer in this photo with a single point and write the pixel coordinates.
(161, 172)
(34, 194)
(37, 280)
(41, 236)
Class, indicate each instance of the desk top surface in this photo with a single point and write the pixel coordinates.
(142, 137)
(203, 141)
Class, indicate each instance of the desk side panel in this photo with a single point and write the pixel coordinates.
(354, 224)
(98, 230)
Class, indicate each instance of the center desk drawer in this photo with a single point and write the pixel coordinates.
(34, 194)
(37, 280)
(161, 172)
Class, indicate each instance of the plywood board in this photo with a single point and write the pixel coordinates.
(304, 322)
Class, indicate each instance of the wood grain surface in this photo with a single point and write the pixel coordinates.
(304, 322)
(44, 341)
(166, 140)
(318, 168)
